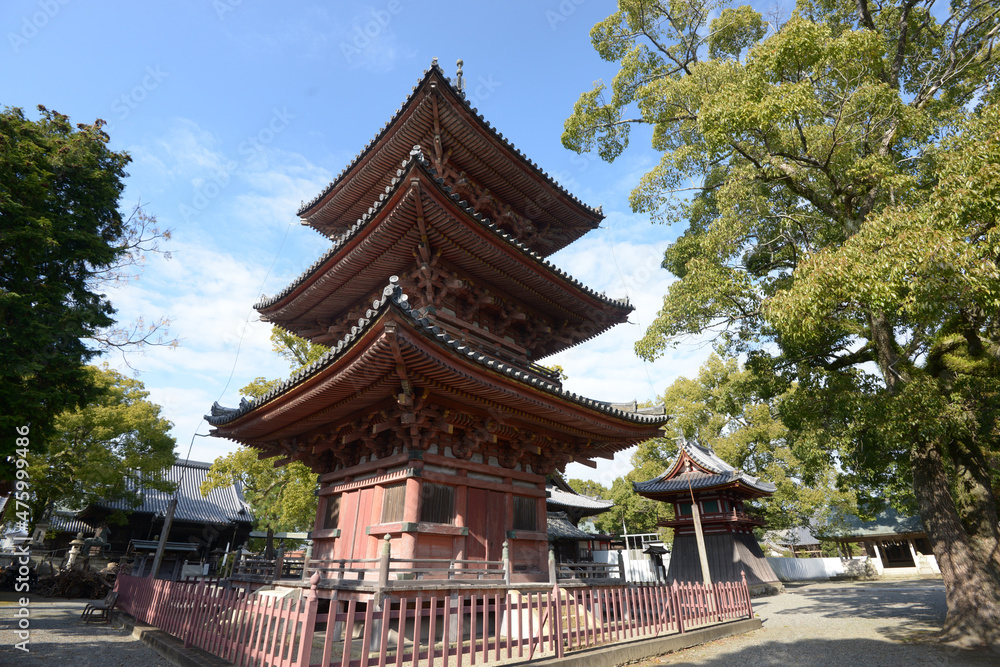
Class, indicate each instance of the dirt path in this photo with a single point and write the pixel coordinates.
(831, 624)
(59, 638)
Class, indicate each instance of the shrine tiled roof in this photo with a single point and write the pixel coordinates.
(221, 506)
(715, 473)
(886, 522)
(576, 500)
(475, 114)
(561, 528)
(393, 297)
(417, 159)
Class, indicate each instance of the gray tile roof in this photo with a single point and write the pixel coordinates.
(560, 528)
(67, 522)
(887, 522)
(576, 500)
(418, 160)
(393, 297)
(721, 473)
(475, 114)
(221, 506)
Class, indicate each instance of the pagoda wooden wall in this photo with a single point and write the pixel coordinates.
(360, 505)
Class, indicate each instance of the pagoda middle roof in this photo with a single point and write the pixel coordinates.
(384, 239)
(707, 472)
(475, 144)
(359, 372)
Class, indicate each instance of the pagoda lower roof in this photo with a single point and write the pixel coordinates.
(700, 468)
(362, 373)
(385, 240)
(436, 107)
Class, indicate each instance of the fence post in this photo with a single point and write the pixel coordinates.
(305, 561)
(311, 602)
(552, 566)
(621, 567)
(746, 590)
(506, 564)
(383, 568)
(560, 649)
(675, 595)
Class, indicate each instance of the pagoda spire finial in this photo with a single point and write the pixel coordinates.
(459, 81)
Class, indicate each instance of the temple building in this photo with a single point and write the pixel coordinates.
(698, 475)
(430, 420)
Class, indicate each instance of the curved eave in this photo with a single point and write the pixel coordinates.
(249, 421)
(314, 212)
(551, 283)
(745, 490)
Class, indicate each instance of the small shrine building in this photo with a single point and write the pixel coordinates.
(430, 420)
(698, 475)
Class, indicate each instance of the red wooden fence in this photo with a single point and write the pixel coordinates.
(421, 628)
(245, 630)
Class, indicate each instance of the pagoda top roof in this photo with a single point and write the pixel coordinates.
(394, 300)
(697, 467)
(273, 307)
(326, 212)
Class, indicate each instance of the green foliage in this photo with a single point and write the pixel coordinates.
(297, 351)
(840, 233)
(105, 450)
(729, 410)
(283, 497)
(61, 238)
(587, 487)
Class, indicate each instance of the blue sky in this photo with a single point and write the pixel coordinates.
(235, 111)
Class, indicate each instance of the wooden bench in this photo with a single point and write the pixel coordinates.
(104, 606)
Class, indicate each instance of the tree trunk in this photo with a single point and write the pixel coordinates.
(269, 543)
(971, 576)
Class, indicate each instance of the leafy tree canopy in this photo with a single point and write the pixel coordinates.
(283, 497)
(106, 450)
(840, 231)
(726, 409)
(61, 238)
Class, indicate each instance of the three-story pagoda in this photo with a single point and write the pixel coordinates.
(430, 420)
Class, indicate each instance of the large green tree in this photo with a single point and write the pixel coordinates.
(840, 170)
(731, 411)
(283, 497)
(61, 238)
(107, 450)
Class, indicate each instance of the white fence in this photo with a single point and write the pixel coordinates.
(639, 566)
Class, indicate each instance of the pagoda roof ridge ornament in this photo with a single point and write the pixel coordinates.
(393, 296)
(436, 69)
(417, 159)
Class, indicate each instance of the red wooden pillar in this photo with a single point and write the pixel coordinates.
(411, 512)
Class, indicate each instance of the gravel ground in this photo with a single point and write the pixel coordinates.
(875, 624)
(60, 638)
